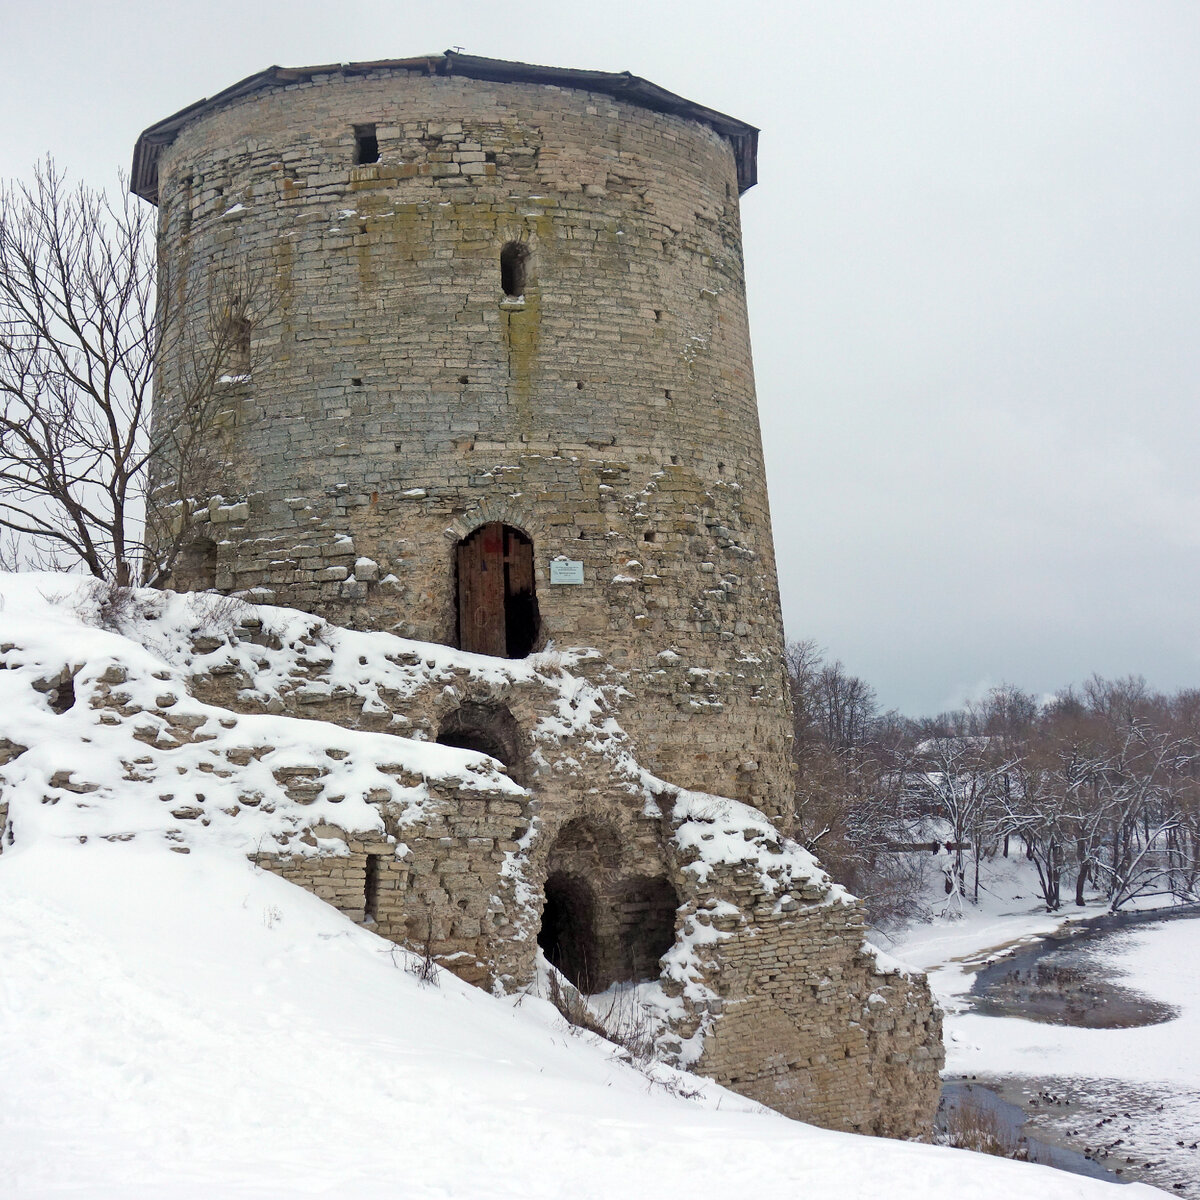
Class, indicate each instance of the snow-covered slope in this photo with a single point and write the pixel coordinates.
(184, 1026)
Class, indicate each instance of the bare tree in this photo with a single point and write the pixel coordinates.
(957, 779)
(850, 802)
(1183, 842)
(1029, 806)
(847, 707)
(1101, 783)
(81, 344)
(1142, 815)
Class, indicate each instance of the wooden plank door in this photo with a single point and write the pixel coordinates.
(481, 626)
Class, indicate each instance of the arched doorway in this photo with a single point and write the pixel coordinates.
(646, 908)
(600, 927)
(568, 933)
(497, 606)
(491, 729)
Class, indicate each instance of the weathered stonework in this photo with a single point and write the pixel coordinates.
(527, 317)
(400, 399)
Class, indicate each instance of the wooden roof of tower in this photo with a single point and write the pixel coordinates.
(619, 84)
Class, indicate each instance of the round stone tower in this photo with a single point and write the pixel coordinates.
(496, 389)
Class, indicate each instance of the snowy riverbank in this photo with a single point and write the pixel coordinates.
(1126, 1096)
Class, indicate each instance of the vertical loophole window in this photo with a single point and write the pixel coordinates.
(185, 205)
(514, 263)
(239, 346)
(366, 144)
(371, 888)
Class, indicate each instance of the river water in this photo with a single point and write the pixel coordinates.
(1100, 1128)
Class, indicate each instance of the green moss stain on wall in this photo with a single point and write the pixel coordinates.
(521, 319)
(521, 328)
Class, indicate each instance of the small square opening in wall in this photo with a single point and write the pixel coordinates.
(366, 144)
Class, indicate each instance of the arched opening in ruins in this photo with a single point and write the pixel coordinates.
(568, 933)
(196, 567)
(645, 910)
(497, 602)
(491, 729)
(599, 928)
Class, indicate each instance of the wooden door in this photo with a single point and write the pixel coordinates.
(481, 624)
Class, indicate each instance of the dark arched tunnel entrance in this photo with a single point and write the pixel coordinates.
(598, 928)
(568, 933)
(491, 729)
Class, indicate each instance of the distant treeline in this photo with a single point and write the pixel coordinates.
(1099, 787)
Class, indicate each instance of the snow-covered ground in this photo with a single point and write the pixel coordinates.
(183, 1025)
(1138, 1085)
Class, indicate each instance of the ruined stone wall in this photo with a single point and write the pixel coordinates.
(445, 895)
(398, 398)
(274, 735)
(793, 1011)
(811, 1027)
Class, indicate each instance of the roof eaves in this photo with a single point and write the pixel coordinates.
(143, 177)
(622, 85)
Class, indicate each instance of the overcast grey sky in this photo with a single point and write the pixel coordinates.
(973, 269)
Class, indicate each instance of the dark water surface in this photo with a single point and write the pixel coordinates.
(1099, 1128)
(1059, 980)
(1011, 1124)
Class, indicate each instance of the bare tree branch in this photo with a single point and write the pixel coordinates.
(83, 341)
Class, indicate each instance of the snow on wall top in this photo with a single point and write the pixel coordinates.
(163, 761)
(154, 751)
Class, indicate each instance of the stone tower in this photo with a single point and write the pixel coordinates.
(501, 396)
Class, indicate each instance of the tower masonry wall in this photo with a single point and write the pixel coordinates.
(397, 398)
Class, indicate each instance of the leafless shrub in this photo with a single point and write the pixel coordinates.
(110, 604)
(574, 1008)
(114, 607)
(422, 966)
(624, 1022)
(221, 614)
(630, 1027)
(970, 1126)
(675, 1086)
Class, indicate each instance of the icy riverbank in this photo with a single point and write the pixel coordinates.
(1126, 1096)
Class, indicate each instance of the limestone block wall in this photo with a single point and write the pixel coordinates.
(399, 398)
(811, 1026)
